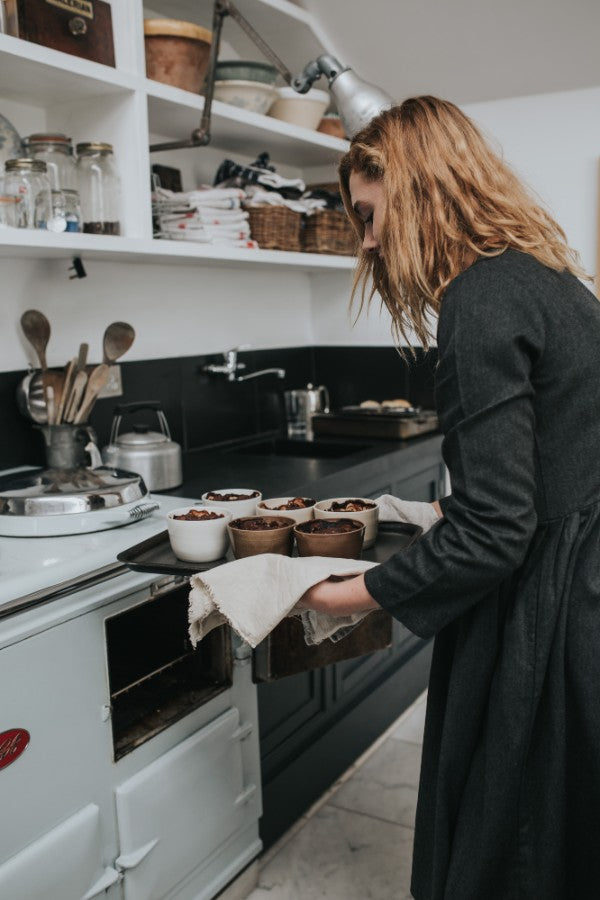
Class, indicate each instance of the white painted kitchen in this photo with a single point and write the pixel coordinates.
(141, 759)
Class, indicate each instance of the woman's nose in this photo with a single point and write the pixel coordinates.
(369, 243)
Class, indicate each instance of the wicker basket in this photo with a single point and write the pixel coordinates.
(275, 227)
(328, 231)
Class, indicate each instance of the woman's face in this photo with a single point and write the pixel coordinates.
(368, 203)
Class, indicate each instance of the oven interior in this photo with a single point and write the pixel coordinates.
(155, 676)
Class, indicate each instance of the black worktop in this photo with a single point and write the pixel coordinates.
(286, 475)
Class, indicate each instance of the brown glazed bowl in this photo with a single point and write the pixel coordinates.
(312, 541)
(245, 542)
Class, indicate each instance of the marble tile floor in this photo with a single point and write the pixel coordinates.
(355, 843)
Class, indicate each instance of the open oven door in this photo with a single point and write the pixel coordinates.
(284, 652)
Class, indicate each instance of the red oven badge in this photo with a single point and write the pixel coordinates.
(12, 744)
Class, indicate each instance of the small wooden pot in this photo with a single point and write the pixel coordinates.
(177, 53)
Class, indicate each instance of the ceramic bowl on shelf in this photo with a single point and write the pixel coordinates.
(237, 501)
(332, 125)
(177, 53)
(251, 535)
(300, 509)
(304, 110)
(198, 535)
(341, 537)
(250, 95)
(245, 70)
(361, 509)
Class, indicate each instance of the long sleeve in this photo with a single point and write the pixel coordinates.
(490, 335)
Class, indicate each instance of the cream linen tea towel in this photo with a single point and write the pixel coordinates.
(254, 594)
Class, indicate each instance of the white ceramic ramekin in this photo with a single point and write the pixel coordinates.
(370, 517)
(237, 508)
(268, 508)
(198, 540)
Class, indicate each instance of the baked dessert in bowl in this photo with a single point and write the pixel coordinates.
(250, 535)
(198, 534)
(239, 501)
(362, 509)
(341, 537)
(300, 509)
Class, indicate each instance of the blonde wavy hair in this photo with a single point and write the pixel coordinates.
(448, 200)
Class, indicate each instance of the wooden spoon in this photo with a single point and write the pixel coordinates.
(117, 340)
(70, 371)
(75, 395)
(96, 381)
(36, 329)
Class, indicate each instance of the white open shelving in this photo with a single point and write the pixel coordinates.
(43, 89)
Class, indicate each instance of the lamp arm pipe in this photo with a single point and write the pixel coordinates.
(229, 8)
(200, 137)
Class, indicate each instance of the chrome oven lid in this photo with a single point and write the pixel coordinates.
(48, 502)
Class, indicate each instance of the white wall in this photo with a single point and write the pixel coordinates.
(175, 310)
(553, 142)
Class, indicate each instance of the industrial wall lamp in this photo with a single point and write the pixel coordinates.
(356, 100)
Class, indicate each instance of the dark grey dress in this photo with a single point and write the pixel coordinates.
(509, 582)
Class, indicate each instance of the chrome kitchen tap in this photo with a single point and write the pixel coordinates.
(230, 366)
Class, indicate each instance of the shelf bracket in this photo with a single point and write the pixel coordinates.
(77, 268)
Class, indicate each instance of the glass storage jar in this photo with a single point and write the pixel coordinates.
(99, 188)
(56, 150)
(27, 180)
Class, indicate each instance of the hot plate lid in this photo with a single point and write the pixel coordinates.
(53, 492)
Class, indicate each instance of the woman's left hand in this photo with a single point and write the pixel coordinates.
(338, 597)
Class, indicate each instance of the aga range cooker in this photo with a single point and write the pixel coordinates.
(129, 764)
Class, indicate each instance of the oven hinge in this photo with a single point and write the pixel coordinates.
(243, 731)
(109, 877)
(133, 859)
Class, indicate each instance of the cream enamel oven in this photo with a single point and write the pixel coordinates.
(129, 764)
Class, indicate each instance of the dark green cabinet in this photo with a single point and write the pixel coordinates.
(315, 724)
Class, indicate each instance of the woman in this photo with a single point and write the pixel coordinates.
(508, 578)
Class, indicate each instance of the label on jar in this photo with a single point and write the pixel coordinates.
(83, 7)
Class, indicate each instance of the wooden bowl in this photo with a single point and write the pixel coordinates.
(347, 545)
(177, 53)
(268, 540)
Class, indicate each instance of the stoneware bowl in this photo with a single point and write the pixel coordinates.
(198, 540)
(269, 508)
(304, 110)
(369, 517)
(267, 540)
(251, 95)
(245, 70)
(347, 545)
(237, 508)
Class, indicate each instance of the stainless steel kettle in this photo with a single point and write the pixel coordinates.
(300, 406)
(152, 454)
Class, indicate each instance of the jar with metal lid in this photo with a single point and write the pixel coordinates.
(27, 180)
(56, 150)
(99, 188)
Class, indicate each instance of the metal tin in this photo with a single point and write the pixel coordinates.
(54, 492)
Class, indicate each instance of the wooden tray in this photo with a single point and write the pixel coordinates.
(155, 554)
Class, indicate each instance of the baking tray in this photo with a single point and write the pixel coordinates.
(156, 556)
(376, 424)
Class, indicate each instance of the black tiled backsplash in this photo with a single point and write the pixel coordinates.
(206, 410)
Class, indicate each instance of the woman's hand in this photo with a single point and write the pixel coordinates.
(338, 597)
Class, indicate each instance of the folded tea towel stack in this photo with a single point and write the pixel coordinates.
(207, 215)
(256, 196)
(254, 594)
